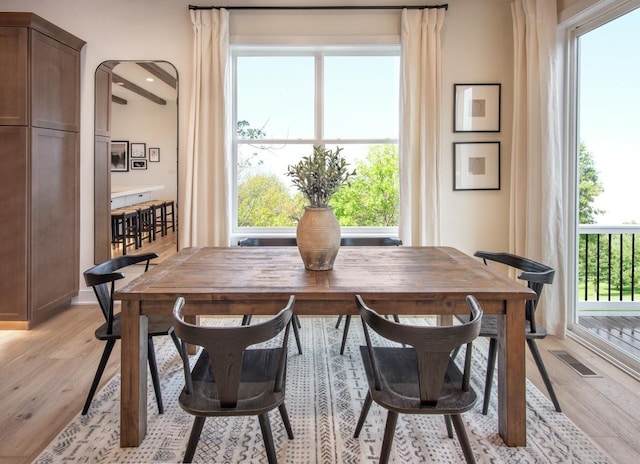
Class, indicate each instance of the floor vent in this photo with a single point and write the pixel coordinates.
(580, 368)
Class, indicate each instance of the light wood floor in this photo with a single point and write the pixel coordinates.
(165, 246)
(45, 374)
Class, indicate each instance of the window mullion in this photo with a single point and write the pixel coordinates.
(319, 91)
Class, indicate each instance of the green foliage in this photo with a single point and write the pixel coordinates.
(609, 273)
(368, 199)
(264, 201)
(245, 131)
(372, 198)
(589, 187)
(320, 175)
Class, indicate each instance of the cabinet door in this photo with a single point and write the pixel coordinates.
(55, 82)
(54, 219)
(13, 76)
(13, 218)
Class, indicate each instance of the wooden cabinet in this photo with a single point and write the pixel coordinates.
(39, 170)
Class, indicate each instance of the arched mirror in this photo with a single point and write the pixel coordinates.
(135, 159)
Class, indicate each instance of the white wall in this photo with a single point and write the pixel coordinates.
(477, 48)
(156, 126)
(115, 30)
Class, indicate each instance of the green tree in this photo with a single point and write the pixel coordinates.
(245, 131)
(372, 197)
(595, 248)
(264, 201)
(589, 187)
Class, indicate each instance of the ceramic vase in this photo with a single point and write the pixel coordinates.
(318, 237)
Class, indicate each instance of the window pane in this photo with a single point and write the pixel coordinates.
(608, 121)
(276, 95)
(372, 198)
(266, 197)
(279, 100)
(361, 97)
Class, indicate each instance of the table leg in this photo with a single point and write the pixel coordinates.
(512, 411)
(133, 390)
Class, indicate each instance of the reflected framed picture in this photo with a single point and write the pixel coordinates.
(119, 156)
(138, 164)
(476, 166)
(154, 155)
(476, 107)
(138, 150)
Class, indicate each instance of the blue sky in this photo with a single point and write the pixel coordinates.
(609, 113)
(277, 95)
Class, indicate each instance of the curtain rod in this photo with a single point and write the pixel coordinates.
(337, 7)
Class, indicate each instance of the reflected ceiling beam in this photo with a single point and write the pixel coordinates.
(118, 100)
(160, 73)
(137, 89)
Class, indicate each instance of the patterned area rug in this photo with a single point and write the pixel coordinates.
(324, 396)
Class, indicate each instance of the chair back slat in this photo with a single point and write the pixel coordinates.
(226, 346)
(433, 344)
(268, 241)
(534, 273)
(107, 271)
(370, 241)
(102, 278)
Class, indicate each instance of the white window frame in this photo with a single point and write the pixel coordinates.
(319, 52)
(573, 28)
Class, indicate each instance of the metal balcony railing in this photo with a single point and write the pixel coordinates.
(608, 269)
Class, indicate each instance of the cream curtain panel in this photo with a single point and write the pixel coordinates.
(420, 105)
(536, 206)
(205, 190)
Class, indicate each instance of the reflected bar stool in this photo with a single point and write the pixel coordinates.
(157, 216)
(169, 221)
(125, 228)
(146, 227)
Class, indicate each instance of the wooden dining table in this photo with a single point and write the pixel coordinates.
(258, 280)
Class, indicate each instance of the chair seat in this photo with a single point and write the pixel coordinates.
(400, 392)
(257, 382)
(489, 327)
(158, 325)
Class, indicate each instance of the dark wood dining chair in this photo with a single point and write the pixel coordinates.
(536, 275)
(102, 278)
(363, 241)
(273, 241)
(420, 377)
(232, 378)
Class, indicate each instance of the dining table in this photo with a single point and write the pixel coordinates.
(405, 280)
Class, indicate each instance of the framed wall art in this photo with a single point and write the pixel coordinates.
(476, 166)
(476, 108)
(154, 155)
(138, 150)
(119, 156)
(138, 164)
